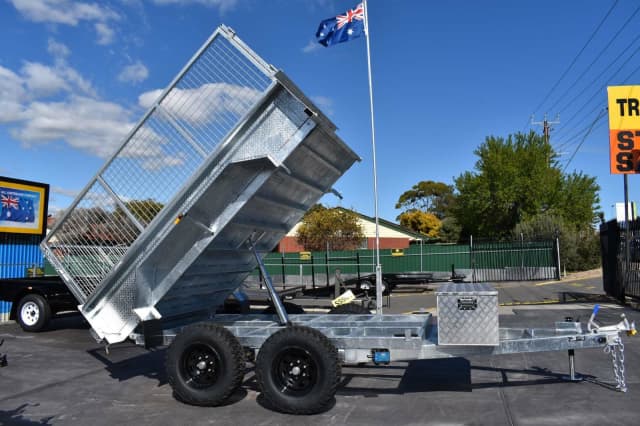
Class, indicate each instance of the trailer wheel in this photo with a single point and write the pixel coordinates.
(205, 365)
(290, 308)
(33, 312)
(298, 371)
(349, 308)
(369, 285)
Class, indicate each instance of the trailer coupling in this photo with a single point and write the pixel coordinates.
(623, 325)
(614, 346)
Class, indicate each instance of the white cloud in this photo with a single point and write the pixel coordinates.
(76, 116)
(106, 34)
(66, 12)
(60, 52)
(312, 46)
(204, 104)
(160, 163)
(147, 99)
(57, 50)
(42, 80)
(12, 95)
(324, 103)
(134, 73)
(87, 124)
(222, 5)
(77, 80)
(72, 193)
(69, 12)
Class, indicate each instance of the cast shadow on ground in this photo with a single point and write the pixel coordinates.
(16, 417)
(449, 375)
(149, 364)
(581, 297)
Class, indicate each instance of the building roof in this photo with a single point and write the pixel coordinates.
(370, 232)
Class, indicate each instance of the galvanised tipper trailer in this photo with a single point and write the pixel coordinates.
(224, 163)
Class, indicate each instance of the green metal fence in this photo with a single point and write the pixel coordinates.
(479, 261)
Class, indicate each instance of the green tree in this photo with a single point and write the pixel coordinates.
(329, 228)
(579, 246)
(515, 180)
(428, 196)
(450, 230)
(424, 223)
(143, 210)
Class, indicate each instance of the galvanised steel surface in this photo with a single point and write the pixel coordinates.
(231, 150)
(407, 337)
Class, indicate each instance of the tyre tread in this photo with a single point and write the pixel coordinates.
(237, 364)
(326, 349)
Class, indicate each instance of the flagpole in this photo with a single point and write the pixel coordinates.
(375, 171)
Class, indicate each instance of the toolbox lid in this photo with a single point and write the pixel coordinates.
(480, 289)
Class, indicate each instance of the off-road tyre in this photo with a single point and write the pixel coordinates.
(297, 371)
(205, 365)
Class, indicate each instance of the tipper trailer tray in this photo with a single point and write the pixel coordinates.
(224, 163)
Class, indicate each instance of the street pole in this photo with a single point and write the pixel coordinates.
(627, 237)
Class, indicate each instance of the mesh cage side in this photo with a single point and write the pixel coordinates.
(207, 101)
(92, 240)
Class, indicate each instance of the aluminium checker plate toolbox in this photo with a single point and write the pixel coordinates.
(468, 314)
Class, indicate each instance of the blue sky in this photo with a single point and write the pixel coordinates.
(446, 75)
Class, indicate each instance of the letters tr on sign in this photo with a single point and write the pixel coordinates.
(624, 129)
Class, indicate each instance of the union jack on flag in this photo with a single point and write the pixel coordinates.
(9, 202)
(350, 16)
(342, 28)
(16, 206)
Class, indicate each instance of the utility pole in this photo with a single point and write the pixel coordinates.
(546, 125)
(546, 129)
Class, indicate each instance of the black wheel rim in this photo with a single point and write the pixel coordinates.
(295, 371)
(200, 365)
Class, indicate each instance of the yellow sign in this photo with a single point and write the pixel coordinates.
(305, 255)
(397, 252)
(624, 129)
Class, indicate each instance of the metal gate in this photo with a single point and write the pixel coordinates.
(620, 271)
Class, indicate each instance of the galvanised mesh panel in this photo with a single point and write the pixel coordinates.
(184, 125)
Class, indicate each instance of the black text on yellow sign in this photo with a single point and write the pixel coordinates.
(624, 129)
(305, 255)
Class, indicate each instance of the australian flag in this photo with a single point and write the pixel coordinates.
(16, 206)
(342, 27)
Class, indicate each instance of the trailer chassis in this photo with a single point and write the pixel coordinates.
(351, 339)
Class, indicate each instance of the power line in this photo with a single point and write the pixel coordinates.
(600, 88)
(578, 55)
(599, 55)
(602, 114)
(594, 80)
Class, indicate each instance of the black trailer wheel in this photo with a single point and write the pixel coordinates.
(205, 364)
(298, 371)
(33, 312)
(369, 286)
(290, 308)
(350, 308)
(387, 288)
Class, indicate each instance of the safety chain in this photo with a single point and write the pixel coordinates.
(616, 349)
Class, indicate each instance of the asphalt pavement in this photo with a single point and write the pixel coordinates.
(62, 376)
